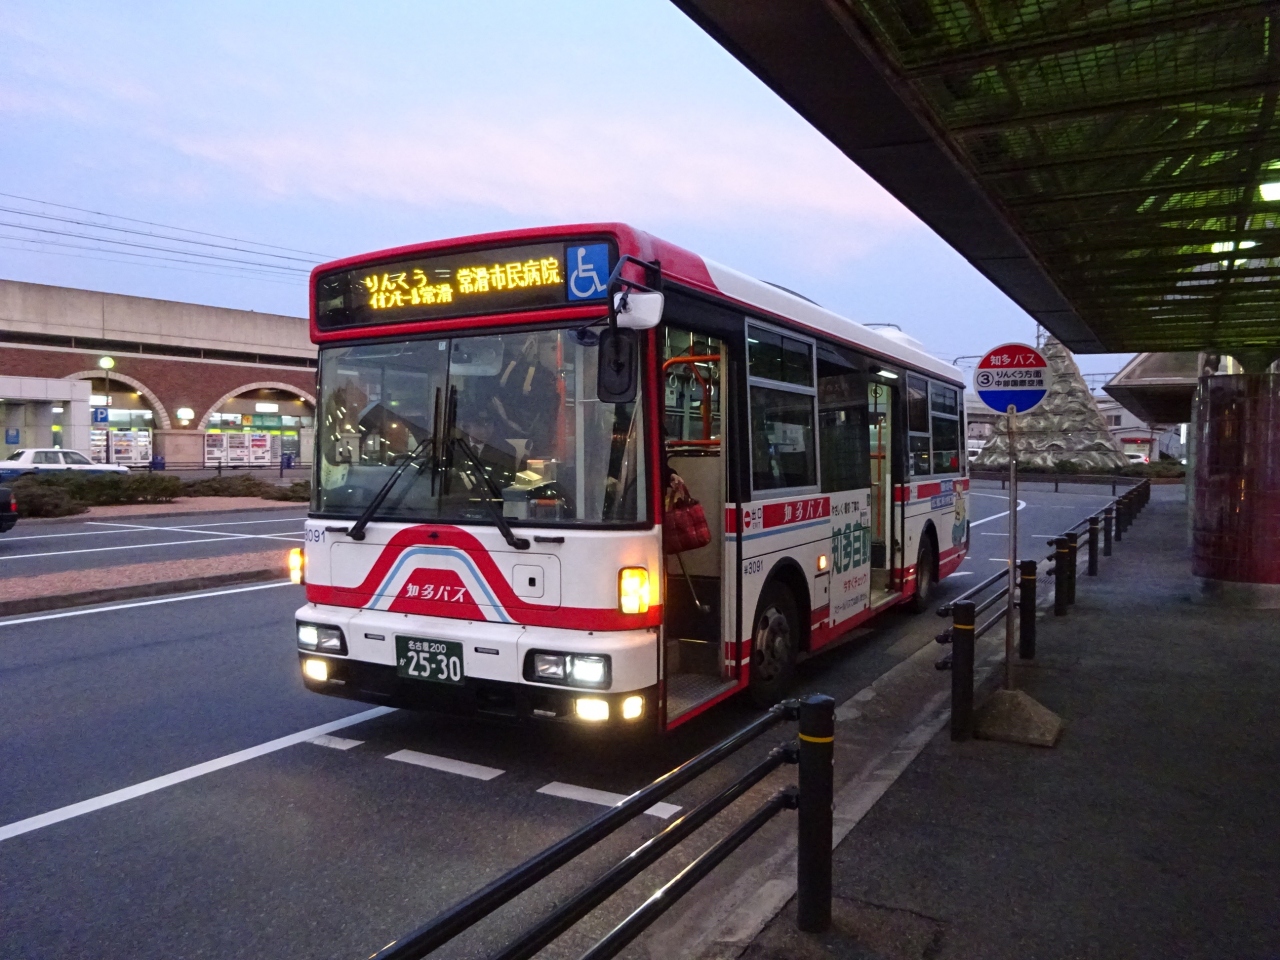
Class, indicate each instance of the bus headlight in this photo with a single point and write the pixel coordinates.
(591, 708)
(570, 669)
(316, 670)
(296, 564)
(633, 590)
(321, 637)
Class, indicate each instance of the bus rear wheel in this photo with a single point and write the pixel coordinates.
(926, 579)
(775, 641)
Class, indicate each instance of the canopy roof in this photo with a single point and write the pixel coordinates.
(1113, 166)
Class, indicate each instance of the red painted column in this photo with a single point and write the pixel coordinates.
(1236, 518)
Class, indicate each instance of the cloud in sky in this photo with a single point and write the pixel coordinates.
(344, 126)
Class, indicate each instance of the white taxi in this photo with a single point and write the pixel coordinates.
(42, 459)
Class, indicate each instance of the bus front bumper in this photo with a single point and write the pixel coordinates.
(379, 683)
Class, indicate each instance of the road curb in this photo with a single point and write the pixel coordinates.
(12, 608)
(83, 517)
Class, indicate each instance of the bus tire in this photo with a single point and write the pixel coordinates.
(775, 641)
(926, 576)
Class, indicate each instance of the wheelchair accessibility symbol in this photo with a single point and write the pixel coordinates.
(588, 271)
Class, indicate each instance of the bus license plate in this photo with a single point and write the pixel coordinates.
(438, 660)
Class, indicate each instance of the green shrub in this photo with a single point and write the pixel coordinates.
(235, 485)
(38, 497)
(299, 491)
(1066, 466)
(103, 489)
(1161, 469)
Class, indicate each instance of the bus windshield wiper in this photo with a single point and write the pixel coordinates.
(357, 530)
(490, 494)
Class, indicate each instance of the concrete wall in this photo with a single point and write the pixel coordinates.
(34, 308)
(26, 405)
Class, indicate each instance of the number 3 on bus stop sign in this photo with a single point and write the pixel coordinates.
(1013, 375)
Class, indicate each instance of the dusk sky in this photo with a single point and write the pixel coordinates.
(337, 128)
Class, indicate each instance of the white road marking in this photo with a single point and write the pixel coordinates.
(959, 573)
(996, 516)
(195, 528)
(567, 790)
(1037, 536)
(338, 743)
(70, 811)
(145, 603)
(100, 533)
(444, 764)
(131, 546)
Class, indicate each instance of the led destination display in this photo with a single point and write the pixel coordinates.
(462, 284)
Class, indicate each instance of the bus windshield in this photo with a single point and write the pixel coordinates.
(511, 417)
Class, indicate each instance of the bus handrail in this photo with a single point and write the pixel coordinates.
(692, 360)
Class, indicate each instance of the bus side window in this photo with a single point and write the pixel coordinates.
(844, 440)
(944, 403)
(918, 426)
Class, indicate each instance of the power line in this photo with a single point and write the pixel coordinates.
(281, 268)
(166, 226)
(148, 233)
(225, 271)
(133, 263)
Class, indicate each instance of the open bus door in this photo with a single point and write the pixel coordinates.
(700, 597)
(886, 504)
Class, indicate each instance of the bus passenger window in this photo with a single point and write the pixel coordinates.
(918, 426)
(781, 439)
(944, 403)
(843, 431)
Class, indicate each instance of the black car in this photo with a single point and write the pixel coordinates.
(8, 509)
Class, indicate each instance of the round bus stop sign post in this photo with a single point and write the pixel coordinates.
(1013, 378)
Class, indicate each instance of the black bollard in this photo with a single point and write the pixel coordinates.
(1108, 518)
(813, 860)
(1027, 610)
(1061, 555)
(1073, 554)
(962, 613)
(1093, 546)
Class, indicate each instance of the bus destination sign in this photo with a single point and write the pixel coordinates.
(463, 284)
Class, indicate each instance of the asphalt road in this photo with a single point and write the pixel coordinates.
(33, 548)
(313, 849)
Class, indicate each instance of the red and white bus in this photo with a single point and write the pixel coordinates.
(500, 418)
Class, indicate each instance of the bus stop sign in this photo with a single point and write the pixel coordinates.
(1012, 375)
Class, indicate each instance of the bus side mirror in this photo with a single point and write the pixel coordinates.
(637, 309)
(618, 366)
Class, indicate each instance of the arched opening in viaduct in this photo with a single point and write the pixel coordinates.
(264, 419)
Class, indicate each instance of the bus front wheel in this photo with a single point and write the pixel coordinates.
(775, 641)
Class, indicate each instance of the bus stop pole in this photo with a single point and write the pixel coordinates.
(1011, 601)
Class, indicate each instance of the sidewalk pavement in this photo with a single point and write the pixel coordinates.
(1151, 830)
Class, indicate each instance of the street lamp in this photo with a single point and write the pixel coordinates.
(106, 363)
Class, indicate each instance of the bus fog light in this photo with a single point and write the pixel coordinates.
(548, 666)
(588, 669)
(592, 709)
(633, 708)
(295, 565)
(317, 670)
(633, 590)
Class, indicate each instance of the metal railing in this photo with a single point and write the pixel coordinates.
(1115, 481)
(812, 750)
(964, 610)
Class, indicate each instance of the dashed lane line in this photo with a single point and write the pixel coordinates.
(446, 765)
(337, 743)
(605, 799)
(19, 827)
